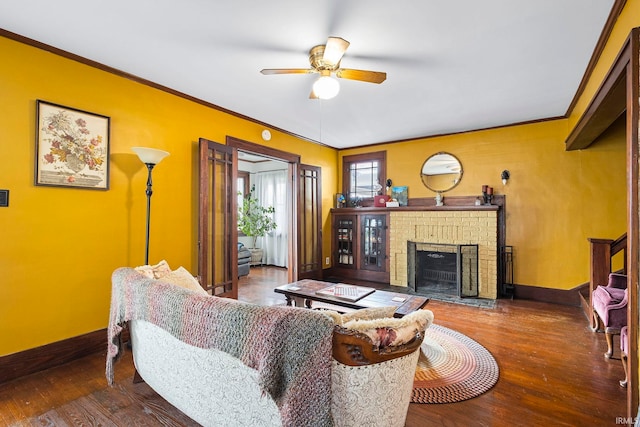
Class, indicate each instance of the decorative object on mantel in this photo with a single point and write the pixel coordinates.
(381, 200)
(389, 183)
(340, 200)
(452, 368)
(401, 194)
(487, 194)
(504, 176)
(439, 199)
(478, 201)
(150, 157)
(393, 204)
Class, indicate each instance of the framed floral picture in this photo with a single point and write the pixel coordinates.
(72, 147)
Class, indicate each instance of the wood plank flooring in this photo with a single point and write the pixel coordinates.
(552, 373)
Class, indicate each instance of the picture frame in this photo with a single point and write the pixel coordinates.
(401, 194)
(72, 147)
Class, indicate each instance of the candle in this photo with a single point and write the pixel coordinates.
(484, 188)
(490, 190)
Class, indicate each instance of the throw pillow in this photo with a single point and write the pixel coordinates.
(393, 331)
(181, 277)
(155, 271)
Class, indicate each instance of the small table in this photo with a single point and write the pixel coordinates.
(303, 292)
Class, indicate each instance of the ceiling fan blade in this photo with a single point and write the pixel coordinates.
(334, 50)
(362, 75)
(269, 71)
(313, 95)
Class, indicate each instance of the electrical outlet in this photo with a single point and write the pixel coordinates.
(4, 198)
(326, 260)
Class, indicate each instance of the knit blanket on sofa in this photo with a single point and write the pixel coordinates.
(289, 347)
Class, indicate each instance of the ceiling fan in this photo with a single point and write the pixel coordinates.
(325, 60)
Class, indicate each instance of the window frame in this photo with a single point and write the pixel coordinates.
(347, 161)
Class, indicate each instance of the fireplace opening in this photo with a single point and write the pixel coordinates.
(445, 269)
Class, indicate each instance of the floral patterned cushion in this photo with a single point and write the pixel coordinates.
(385, 332)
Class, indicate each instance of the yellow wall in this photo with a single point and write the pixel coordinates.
(59, 246)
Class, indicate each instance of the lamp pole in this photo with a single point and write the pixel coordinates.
(149, 192)
(150, 157)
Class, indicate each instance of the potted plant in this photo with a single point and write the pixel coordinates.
(255, 220)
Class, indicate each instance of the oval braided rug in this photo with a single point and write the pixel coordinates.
(452, 367)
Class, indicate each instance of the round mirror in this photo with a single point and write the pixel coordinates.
(441, 172)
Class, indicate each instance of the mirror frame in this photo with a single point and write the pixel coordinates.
(424, 176)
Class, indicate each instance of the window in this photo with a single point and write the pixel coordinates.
(242, 185)
(363, 177)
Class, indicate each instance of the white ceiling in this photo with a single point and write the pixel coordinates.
(451, 65)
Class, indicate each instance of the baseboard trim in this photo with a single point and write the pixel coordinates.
(556, 296)
(48, 356)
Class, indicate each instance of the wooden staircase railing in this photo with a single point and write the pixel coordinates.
(602, 250)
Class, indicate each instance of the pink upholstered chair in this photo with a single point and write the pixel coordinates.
(624, 350)
(610, 308)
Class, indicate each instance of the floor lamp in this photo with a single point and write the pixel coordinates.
(150, 157)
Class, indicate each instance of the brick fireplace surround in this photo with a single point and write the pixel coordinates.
(451, 225)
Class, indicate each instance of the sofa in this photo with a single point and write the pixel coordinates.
(244, 260)
(225, 362)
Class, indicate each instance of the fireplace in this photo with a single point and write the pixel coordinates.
(445, 269)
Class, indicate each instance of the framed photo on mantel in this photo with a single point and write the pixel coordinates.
(72, 147)
(401, 194)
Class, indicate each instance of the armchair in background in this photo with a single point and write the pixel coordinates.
(610, 308)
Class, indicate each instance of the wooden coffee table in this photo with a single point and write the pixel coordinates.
(303, 293)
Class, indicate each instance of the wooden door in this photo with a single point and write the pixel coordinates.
(218, 237)
(309, 222)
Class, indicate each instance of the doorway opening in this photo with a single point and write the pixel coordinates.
(266, 180)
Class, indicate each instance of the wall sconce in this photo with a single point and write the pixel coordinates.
(505, 176)
(150, 157)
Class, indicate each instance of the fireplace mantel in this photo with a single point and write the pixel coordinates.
(460, 221)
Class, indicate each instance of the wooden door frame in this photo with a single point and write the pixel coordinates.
(294, 162)
(633, 222)
(619, 93)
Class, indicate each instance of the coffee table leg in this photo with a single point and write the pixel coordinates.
(289, 300)
(307, 303)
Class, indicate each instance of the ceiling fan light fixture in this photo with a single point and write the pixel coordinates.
(326, 87)
(333, 51)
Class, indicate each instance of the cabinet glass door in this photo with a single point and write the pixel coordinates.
(373, 252)
(345, 243)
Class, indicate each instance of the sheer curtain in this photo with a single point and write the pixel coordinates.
(271, 190)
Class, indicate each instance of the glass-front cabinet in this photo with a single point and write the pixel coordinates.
(373, 254)
(345, 241)
(360, 249)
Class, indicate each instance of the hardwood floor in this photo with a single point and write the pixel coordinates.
(552, 372)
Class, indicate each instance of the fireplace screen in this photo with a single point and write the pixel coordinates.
(438, 268)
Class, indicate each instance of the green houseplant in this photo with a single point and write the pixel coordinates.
(255, 220)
